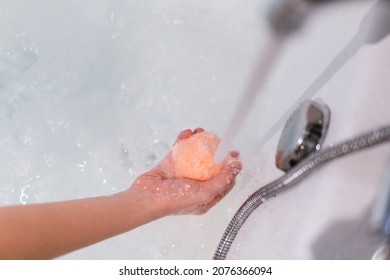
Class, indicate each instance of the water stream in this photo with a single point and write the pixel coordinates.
(263, 67)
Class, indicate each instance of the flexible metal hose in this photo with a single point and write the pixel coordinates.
(296, 174)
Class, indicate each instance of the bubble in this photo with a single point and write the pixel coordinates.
(28, 139)
(14, 61)
(82, 166)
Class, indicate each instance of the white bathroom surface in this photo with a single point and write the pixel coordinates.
(93, 93)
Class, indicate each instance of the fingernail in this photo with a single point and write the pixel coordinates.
(234, 154)
(198, 130)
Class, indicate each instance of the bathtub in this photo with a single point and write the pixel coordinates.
(94, 93)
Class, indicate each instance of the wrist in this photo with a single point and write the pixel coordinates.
(141, 203)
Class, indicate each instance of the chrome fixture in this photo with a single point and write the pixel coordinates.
(303, 134)
(291, 178)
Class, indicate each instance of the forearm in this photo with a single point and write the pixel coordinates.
(49, 230)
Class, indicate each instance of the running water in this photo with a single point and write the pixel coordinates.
(266, 60)
(374, 27)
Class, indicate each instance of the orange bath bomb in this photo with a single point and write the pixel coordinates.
(194, 157)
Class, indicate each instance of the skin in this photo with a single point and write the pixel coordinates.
(49, 230)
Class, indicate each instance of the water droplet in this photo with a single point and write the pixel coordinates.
(82, 166)
(23, 196)
(82, 139)
(28, 140)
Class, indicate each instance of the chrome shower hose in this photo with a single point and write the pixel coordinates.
(291, 178)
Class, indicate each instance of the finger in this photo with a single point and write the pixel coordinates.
(234, 154)
(219, 197)
(231, 156)
(224, 180)
(201, 209)
(204, 208)
(198, 130)
(183, 135)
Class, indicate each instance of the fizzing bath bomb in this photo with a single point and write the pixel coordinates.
(194, 157)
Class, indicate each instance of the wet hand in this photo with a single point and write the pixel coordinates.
(168, 194)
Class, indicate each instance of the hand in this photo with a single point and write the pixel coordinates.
(60, 227)
(169, 195)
